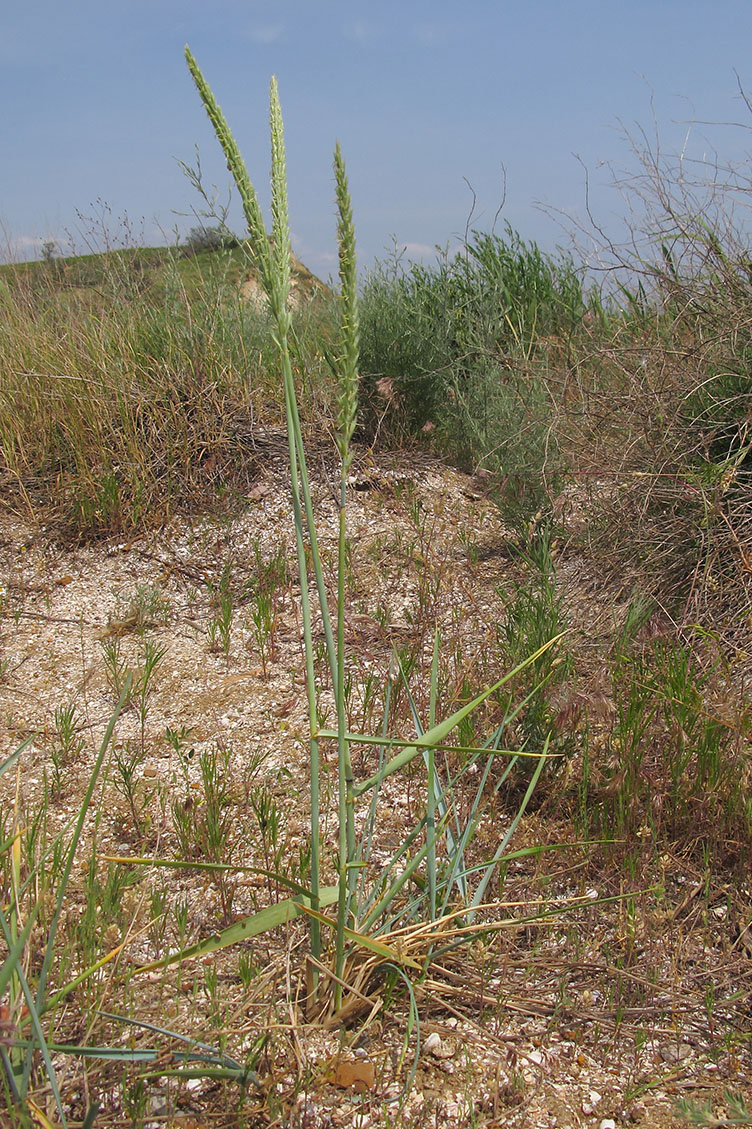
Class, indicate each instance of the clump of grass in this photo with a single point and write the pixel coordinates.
(221, 616)
(266, 590)
(535, 613)
(671, 763)
(203, 821)
(467, 349)
(54, 953)
(702, 1113)
(66, 743)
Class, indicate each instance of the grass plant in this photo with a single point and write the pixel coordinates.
(203, 822)
(66, 744)
(128, 762)
(673, 761)
(535, 613)
(359, 907)
(266, 590)
(220, 623)
(702, 1113)
(31, 1003)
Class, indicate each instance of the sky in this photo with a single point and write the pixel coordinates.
(440, 106)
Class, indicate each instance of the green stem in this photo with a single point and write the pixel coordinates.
(318, 572)
(346, 798)
(432, 783)
(305, 603)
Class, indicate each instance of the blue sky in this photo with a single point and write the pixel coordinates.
(423, 96)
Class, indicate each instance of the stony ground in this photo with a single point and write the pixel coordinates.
(607, 1014)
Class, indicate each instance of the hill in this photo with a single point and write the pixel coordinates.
(132, 382)
(147, 270)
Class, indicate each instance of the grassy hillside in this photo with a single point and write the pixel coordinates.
(131, 382)
(133, 385)
(139, 270)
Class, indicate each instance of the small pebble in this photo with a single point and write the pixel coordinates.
(588, 1107)
(675, 1052)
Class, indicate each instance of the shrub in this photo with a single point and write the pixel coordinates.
(663, 419)
(467, 347)
(406, 346)
(202, 239)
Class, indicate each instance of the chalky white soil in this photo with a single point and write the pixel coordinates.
(605, 1016)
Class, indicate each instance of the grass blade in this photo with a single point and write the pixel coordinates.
(482, 885)
(270, 918)
(439, 732)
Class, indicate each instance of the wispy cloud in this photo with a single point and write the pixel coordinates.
(19, 248)
(266, 33)
(420, 252)
(322, 262)
(431, 34)
(28, 241)
(361, 31)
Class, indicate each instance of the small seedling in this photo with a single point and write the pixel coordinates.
(269, 820)
(116, 667)
(152, 657)
(266, 590)
(203, 822)
(128, 760)
(135, 1098)
(220, 624)
(178, 740)
(67, 743)
(697, 1113)
(263, 617)
(247, 969)
(147, 607)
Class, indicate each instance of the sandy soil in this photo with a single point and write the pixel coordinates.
(605, 1016)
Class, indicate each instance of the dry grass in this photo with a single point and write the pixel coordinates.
(134, 396)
